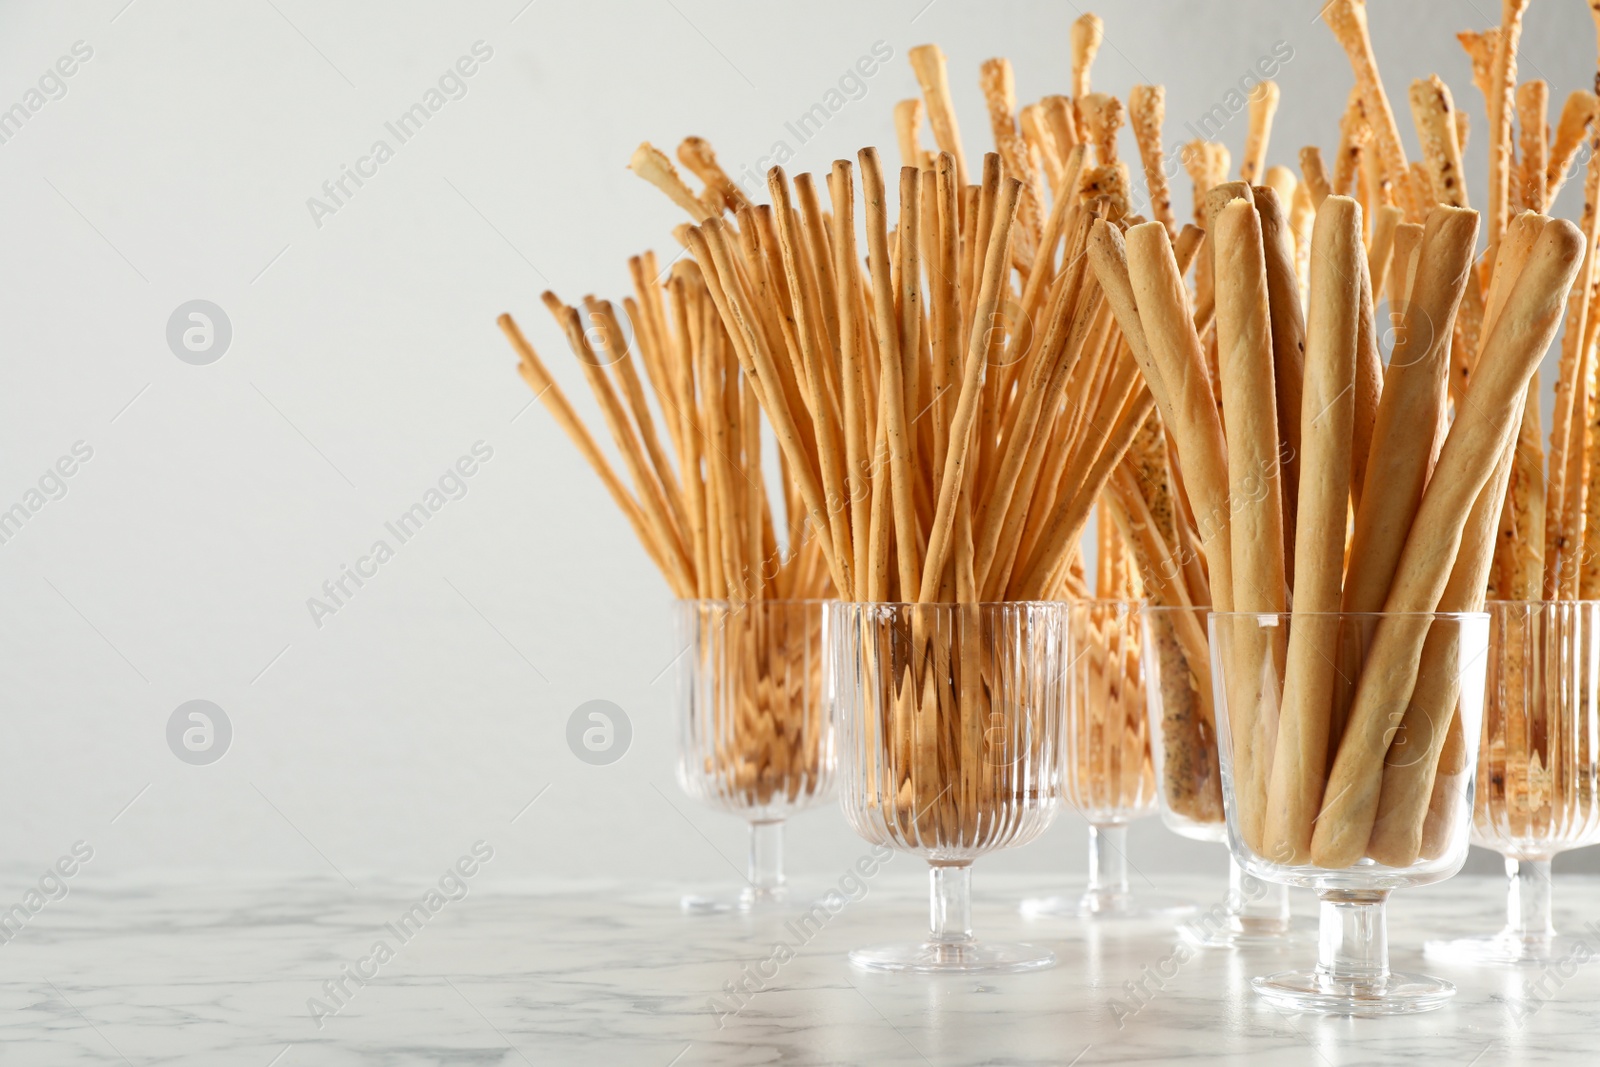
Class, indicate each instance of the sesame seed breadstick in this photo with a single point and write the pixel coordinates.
(1532, 103)
(1577, 115)
(1433, 111)
(1147, 109)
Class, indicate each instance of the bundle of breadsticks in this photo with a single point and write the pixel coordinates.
(701, 507)
(949, 405)
(1311, 426)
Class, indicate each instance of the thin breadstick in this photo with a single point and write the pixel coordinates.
(1502, 86)
(1533, 102)
(1355, 134)
(1369, 385)
(1315, 175)
(995, 265)
(1382, 247)
(998, 83)
(1263, 106)
(907, 121)
(1348, 21)
(1147, 109)
(1577, 115)
(858, 472)
(1472, 452)
(1433, 111)
(652, 164)
(1299, 763)
(696, 154)
(1086, 34)
(891, 394)
(928, 63)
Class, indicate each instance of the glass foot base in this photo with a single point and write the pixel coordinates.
(1118, 907)
(954, 957)
(1503, 950)
(746, 901)
(1398, 994)
(1230, 931)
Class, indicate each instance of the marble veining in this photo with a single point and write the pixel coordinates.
(225, 973)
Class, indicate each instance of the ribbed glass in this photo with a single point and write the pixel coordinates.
(1539, 761)
(950, 718)
(756, 737)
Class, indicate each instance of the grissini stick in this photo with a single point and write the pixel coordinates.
(928, 64)
(1406, 437)
(1417, 753)
(1483, 428)
(1288, 350)
(1348, 21)
(555, 401)
(1300, 759)
(1369, 384)
(1255, 495)
(1433, 111)
(995, 266)
(1191, 413)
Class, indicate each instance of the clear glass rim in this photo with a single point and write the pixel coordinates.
(1578, 603)
(900, 605)
(724, 602)
(1438, 616)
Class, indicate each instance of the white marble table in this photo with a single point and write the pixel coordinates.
(220, 974)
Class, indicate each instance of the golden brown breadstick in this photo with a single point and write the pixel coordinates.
(1403, 266)
(1314, 174)
(1263, 106)
(652, 164)
(1147, 109)
(1502, 84)
(1288, 352)
(1471, 454)
(1408, 432)
(721, 190)
(1348, 21)
(928, 63)
(1577, 114)
(1433, 111)
(1086, 34)
(1300, 760)
(907, 120)
(1533, 101)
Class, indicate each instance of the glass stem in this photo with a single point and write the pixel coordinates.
(1108, 861)
(1261, 905)
(950, 903)
(766, 856)
(1528, 900)
(1353, 941)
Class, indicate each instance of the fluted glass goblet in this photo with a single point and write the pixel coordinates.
(950, 719)
(1349, 751)
(1109, 773)
(756, 736)
(1538, 769)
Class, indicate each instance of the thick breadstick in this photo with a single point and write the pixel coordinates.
(1249, 410)
(1406, 436)
(1288, 351)
(1482, 431)
(1410, 766)
(1300, 762)
(1190, 412)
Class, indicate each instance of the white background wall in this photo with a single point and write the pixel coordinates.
(365, 360)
